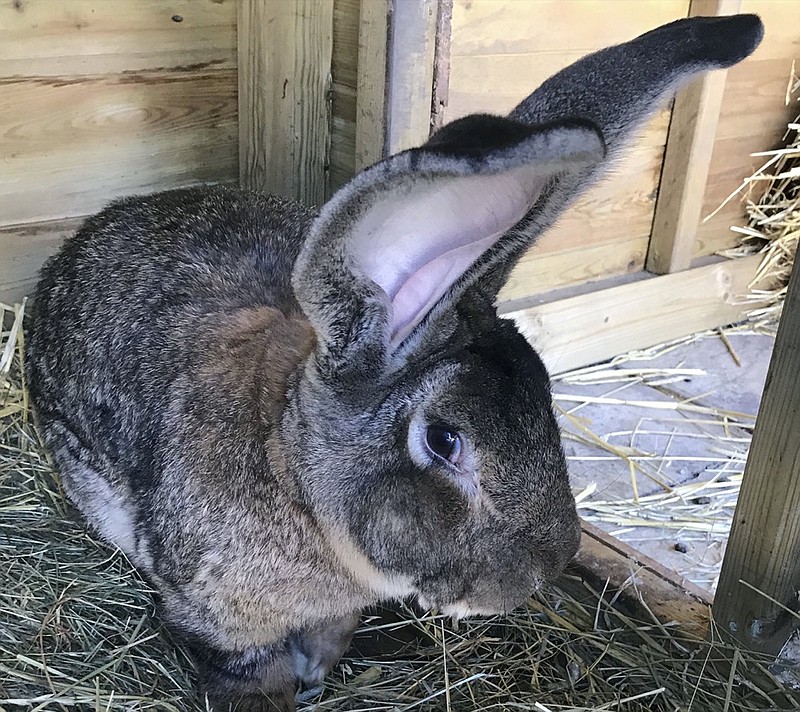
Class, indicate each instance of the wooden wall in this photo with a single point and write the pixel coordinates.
(100, 99)
(344, 71)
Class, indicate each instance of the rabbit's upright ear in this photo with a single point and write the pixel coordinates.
(618, 89)
(389, 245)
(394, 249)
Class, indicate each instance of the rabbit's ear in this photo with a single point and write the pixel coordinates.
(393, 242)
(618, 89)
(407, 237)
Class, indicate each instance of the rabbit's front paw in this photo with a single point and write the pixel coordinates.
(316, 650)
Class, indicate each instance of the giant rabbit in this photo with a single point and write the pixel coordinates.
(283, 415)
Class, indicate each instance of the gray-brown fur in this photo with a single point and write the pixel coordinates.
(241, 394)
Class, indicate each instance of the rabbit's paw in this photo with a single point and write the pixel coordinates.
(316, 650)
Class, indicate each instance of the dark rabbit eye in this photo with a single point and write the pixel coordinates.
(444, 442)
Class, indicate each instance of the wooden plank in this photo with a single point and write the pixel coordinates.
(591, 327)
(371, 97)
(690, 143)
(285, 55)
(533, 26)
(540, 272)
(71, 144)
(24, 248)
(637, 584)
(344, 78)
(503, 49)
(80, 37)
(764, 544)
(411, 61)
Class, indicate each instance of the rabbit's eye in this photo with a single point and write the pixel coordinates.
(444, 443)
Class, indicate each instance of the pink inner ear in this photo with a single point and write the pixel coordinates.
(420, 291)
(415, 243)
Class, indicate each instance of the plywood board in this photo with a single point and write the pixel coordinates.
(581, 330)
(79, 37)
(68, 145)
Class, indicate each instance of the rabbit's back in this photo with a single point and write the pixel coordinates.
(133, 304)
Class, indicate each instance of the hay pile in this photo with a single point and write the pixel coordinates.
(77, 632)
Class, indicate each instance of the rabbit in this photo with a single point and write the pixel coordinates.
(284, 416)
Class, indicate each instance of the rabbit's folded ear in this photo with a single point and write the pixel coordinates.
(386, 248)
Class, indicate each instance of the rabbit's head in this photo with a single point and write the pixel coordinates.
(421, 429)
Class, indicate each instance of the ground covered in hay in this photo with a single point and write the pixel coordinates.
(78, 632)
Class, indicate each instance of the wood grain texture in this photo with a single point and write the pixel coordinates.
(371, 95)
(285, 55)
(344, 87)
(690, 143)
(68, 145)
(585, 329)
(588, 238)
(80, 37)
(764, 544)
(410, 86)
(24, 248)
(538, 273)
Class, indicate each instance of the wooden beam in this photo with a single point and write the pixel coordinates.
(285, 51)
(687, 157)
(639, 585)
(410, 86)
(371, 97)
(584, 329)
(763, 550)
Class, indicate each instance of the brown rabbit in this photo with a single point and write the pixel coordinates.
(283, 417)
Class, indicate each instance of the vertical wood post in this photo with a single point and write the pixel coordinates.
(764, 546)
(373, 56)
(412, 55)
(285, 51)
(687, 157)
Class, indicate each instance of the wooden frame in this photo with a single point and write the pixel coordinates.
(687, 159)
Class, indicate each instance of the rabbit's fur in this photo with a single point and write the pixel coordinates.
(242, 395)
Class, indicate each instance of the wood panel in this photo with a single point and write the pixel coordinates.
(687, 158)
(100, 99)
(71, 144)
(372, 97)
(410, 87)
(344, 76)
(606, 232)
(543, 272)
(756, 599)
(78, 37)
(285, 55)
(581, 330)
(501, 50)
(24, 248)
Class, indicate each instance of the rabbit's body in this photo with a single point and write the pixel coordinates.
(284, 417)
(184, 344)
